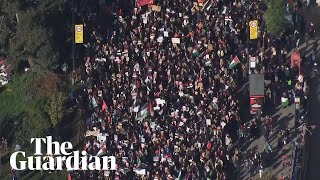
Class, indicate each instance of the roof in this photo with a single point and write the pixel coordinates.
(256, 83)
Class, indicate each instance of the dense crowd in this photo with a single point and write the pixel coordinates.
(171, 109)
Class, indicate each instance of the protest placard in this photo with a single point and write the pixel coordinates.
(165, 33)
(93, 133)
(156, 8)
(160, 39)
(175, 40)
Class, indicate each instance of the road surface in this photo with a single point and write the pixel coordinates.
(313, 158)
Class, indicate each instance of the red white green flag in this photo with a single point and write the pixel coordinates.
(234, 62)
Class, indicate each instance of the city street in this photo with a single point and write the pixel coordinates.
(282, 117)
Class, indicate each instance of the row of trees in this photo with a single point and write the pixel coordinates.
(33, 104)
(26, 33)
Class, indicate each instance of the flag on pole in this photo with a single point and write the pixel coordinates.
(143, 113)
(234, 62)
(104, 106)
(207, 5)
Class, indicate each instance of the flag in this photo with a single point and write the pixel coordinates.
(234, 62)
(207, 5)
(144, 2)
(267, 146)
(195, 52)
(150, 108)
(102, 151)
(143, 113)
(104, 106)
(284, 101)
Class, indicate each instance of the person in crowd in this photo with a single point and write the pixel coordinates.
(168, 108)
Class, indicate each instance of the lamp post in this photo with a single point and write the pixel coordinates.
(73, 39)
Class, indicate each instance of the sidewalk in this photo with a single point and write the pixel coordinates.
(282, 117)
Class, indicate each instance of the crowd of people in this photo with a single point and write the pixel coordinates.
(169, 108)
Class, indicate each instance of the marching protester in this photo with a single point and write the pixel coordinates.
(160, 87)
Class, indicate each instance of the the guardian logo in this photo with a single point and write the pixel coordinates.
(56, 155)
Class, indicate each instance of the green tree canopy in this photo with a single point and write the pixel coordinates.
(26, 34)
(35, 124)
(55, 107)
(275, 16)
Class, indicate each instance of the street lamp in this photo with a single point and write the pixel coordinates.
(73, 40)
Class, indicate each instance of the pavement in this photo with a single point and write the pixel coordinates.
(282, 118)
(285, 116)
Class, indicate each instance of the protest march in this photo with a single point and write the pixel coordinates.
(161, 86)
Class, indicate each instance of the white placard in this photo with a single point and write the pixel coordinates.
(140, 171)
(208, 122)
(101, 137)
(165, 33)
(252, 62)
(223, 124)
(160, 39)
(175, 40)
(160, 101)
(145, 20)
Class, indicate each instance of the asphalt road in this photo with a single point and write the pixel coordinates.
(313, 161)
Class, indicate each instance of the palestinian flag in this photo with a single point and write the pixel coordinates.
(102, 151)
(234, 62)
(143, 113)
(195, 52)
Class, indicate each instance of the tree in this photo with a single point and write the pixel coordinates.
(26, 33)
(275, 16)
(36, 124)
(56, 108)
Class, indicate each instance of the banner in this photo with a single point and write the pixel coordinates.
(144, 2)
(78, 34)
(253, 29)
(156, 8)
(93, 133)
